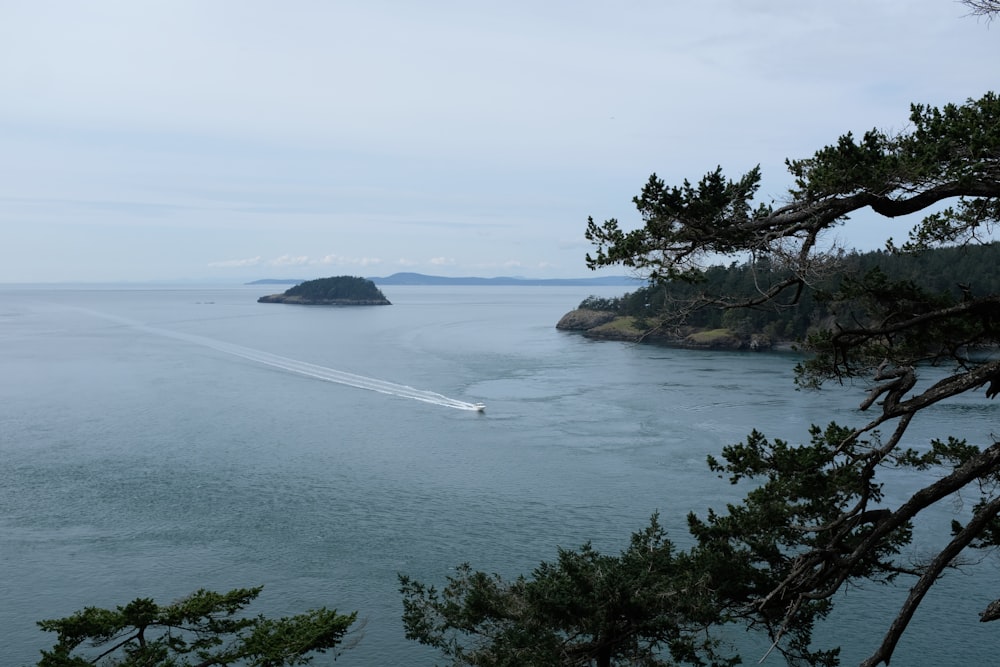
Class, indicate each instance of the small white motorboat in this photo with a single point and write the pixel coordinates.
(479, 407)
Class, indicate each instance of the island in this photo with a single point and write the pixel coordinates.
(333, 291)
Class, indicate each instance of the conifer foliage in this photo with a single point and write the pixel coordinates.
(818, 516)
(817, 519)
(204, 629)
(585, 608)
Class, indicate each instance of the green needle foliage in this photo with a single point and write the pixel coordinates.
(817, 518)
(648, 605)
(202, 630)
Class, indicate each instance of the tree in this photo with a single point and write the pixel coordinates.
(586, 608)
(955, 270)
(337, 288)
(204, 629)
(986, 8)
(818, 519)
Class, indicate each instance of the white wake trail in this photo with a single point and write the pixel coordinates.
(302, 367)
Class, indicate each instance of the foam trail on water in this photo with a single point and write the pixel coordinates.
(302, 367)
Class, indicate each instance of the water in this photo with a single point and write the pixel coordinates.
(155, 441)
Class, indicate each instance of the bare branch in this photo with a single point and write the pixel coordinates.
(927, 579)
(987, 9)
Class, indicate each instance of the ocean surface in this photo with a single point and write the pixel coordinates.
(154, 441)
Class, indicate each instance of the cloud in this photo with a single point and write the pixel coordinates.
(547, 118)
(354, 261)
(235, 263)
(288, 260)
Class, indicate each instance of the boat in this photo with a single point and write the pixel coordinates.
(479, 407)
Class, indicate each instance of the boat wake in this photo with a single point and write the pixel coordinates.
(305, 368)
(341, 377)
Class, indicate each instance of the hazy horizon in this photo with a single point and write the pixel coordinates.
(228, 141)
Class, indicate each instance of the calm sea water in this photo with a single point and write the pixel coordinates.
(139, 456)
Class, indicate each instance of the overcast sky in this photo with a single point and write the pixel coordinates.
(230, 140)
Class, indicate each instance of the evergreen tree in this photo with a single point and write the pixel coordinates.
(818, 519)
(337, 288)
(202, 630)
(647, 606)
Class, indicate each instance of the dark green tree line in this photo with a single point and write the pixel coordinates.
(957, 271)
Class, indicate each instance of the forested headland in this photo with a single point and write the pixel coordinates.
(940, 275)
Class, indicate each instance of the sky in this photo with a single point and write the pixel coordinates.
(232, 140)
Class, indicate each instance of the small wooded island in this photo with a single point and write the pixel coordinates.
(333, 291)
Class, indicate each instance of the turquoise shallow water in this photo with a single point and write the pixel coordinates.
(141, 457)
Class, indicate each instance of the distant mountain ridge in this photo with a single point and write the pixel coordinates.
(422, 279)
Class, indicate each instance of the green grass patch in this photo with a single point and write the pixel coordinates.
(712, 336)
(620, 326)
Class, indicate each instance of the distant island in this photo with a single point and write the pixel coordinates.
(334, 291)
(421, 279)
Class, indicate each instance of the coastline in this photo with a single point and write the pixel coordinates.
(606, 325)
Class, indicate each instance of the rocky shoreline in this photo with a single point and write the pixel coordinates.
(605, 325)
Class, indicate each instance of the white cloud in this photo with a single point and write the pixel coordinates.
(354, 261)
(235, 263)
(289, 260)
(475, 131)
